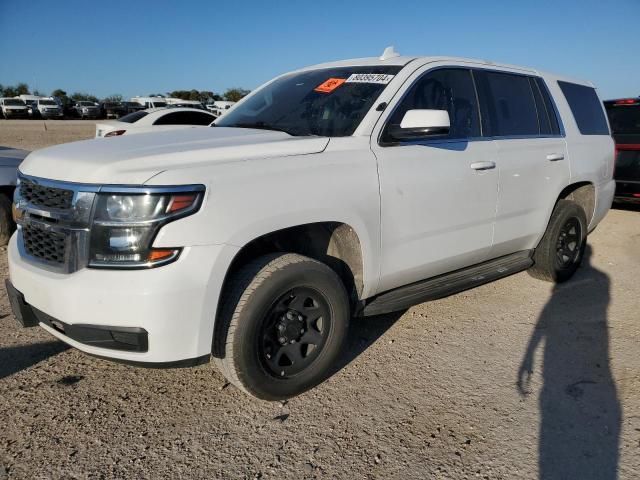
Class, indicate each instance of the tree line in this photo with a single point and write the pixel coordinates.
(203, 96)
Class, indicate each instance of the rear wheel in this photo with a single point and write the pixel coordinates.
(282, 326)
(561, 249)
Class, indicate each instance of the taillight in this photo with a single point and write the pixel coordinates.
(627, 101)
(115, 133)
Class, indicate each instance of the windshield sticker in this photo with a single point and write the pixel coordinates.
(381, 78)
(329, 85)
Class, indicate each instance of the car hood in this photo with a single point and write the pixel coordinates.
(134, 159)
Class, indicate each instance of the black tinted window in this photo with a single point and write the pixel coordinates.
(549, 106)
(586, 108)
(543, 115)
(509, 107)
(624, 119)
(447, 89)
(184, 118)
(132, 117)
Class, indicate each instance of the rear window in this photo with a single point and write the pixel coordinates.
(185, 118)
(624, 119)
(586, 108)
(133, 117)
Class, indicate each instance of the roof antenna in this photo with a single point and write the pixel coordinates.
(388, 53)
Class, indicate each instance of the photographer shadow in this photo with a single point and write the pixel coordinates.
(580, 413)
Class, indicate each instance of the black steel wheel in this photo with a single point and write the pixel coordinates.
(569, 242)
(561, 249)
(282, 326)
(295, 331)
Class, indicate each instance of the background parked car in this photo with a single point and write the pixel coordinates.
(219, 107)
(153, 120)
(86, 109)
(624, 117)
(112, 110)
(150, 102)
(13, 108)
(178, 102)
(46, 108)
(131, 107)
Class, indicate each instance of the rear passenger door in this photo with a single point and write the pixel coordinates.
(518, 113)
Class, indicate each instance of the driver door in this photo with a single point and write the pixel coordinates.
(438, 194)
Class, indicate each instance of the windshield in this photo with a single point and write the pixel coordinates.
(329, 102)
(624, 119)
(133, 117)
(159, 104)
(14, 102)
(47, 102)
(87, 104)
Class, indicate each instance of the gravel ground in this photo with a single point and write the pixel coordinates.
(428, 393)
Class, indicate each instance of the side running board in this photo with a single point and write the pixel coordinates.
(448, 283)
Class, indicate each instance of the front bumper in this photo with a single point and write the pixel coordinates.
(116, 338)
(173, 306)
(51, 114)
(16, 113)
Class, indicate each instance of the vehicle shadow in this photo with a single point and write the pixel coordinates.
(580, 413)
(16, 359)
(364, 332)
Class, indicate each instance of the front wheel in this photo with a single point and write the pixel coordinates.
(282, 326)
(561, 249)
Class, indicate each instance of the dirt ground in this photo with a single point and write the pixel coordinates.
(432, 392)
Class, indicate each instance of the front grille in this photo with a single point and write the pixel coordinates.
(42, 196)
(44, 244)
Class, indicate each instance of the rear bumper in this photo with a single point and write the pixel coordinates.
(627, 191)
(158, 317)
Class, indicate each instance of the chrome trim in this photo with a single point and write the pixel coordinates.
(112, 188)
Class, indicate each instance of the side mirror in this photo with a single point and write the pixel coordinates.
(418, 124)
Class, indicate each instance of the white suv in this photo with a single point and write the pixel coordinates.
(345, 189)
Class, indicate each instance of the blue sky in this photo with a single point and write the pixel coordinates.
(138, 47)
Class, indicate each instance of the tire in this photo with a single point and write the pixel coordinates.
(555, 259)
(7, 226)
(268, 341)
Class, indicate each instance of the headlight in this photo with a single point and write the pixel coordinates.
(125, 226)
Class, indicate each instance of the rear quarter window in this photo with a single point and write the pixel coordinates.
(586, 108)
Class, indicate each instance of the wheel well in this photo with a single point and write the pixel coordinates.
(332, 243)
(584, 194)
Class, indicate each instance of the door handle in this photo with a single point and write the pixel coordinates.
(554, 157)
(483, 165)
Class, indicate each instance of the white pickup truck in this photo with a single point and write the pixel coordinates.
(344, 189)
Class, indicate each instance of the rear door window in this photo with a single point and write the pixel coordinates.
(549, 105)
(586, 108)
(508, 105)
